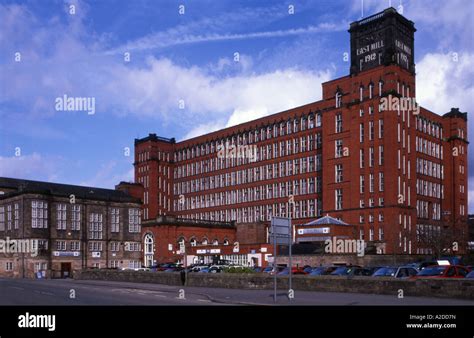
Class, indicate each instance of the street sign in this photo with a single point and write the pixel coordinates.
(280, 232)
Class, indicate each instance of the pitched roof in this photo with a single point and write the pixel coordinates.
(326, 220)
(21, 186)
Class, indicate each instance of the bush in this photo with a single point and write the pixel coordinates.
(238, 269)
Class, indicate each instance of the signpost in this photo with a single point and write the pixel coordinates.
(280, 234)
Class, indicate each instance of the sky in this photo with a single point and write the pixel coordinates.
(181, 68)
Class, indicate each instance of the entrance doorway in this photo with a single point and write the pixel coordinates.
(65, 270)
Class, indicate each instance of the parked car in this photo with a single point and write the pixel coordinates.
(216, 269)
(322, 270)
(257, 269)
(343, 270)
(268, 269)
(277, 270)
(307, 268)
(445, 271)
(396, 272)
(294, 271)
(199, 267)
(204, 270)
(470, 275)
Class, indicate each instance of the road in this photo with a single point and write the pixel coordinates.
(59, 292)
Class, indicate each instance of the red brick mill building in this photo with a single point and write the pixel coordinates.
(395, 173)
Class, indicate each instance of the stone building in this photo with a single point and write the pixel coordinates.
(52, 229)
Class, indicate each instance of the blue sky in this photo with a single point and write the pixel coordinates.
(282, 60)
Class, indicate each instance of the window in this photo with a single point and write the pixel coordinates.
(95, 246)
(371, 130)
(338, 169)
(9, 266)
(215, 242)
(338, 99)
(114, 264)
(361, 93)
(381, 182)
(361, 133)
(134, 220)
(381, 234)
(61, 209)
(95, 226)
(132, 246)
(60, 245)
(39, 214)
(115, 220)
(361, 158)
(16, 216)
(371, 156)
(380, 87)
(339, 123)
(2, 218)
(338, 148)
(318, 120)
(362, 184)
(371, 234)
(371, 182)
(338, 195)
(9, 217)
(381, 156)
(380, 128)
(75, 246)
(76, 218)
(371, 90)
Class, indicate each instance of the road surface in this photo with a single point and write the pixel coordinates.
(84, 292)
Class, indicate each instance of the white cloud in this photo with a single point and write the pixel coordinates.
(32, 166)
(165, 39)
(106, 176)
(443, 83)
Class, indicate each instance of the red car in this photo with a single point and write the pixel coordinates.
(442, 271)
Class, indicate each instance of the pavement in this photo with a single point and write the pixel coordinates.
(88, 292)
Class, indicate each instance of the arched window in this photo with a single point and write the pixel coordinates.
(215, 242)
(204, 241)
(148, 249)
(226, 241)
(193, 242)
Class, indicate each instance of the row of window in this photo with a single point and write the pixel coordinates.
(300, 209)
(12, 219)
(194, 242)
(428, 168)
(429, 148)
(39, 214)
(96, 246)
(423, 210)
(429, 189)
(262, 153)
(261, 134)
(371, 159)
(429, 127)
(303, 186)
(381, 181)
(265, 172)
(371, 237)
(371, 218)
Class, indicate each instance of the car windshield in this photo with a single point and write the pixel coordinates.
(385, 272)
(433, 271)
(340, 270)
